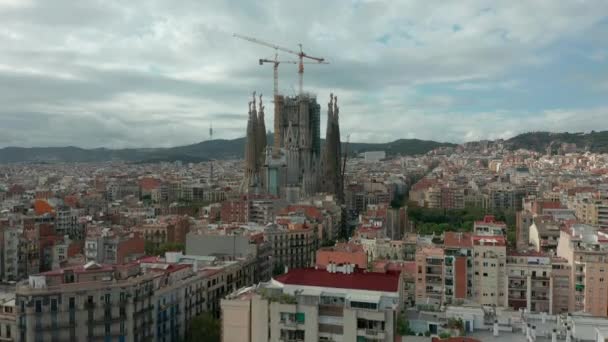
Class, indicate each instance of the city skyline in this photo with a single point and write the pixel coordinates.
(147, 74)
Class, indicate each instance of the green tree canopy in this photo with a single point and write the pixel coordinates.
(204, 328)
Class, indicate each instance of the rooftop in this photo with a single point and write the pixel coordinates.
(358, 280)
(457, 239)
(489, 240)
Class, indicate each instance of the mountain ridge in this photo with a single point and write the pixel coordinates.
(233, 148)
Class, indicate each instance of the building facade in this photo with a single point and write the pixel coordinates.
(339, 303)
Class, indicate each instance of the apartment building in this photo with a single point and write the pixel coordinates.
(8, 318)
(586, 250)
(560, 285)
(293, 244)
(239, 245)
(529, 282)
(489, 279)
(113, 246)
(380, 247)
(67, 222)
(458, 271)
(396, 221)
(489, 226)
(342, 253)
(543, 234)
(523, 221)
(452, 197)
(153, 299)
(430, 276)
(340, 303)
(165, 229)
(602, 214)
(115, 303)
(21, 253)
(503, 197)
(234, 211)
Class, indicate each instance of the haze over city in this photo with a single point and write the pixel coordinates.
(153, 73)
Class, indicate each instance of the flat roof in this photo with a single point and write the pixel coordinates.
(358, 280)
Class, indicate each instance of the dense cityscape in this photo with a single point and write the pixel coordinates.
(292, 243)
(439, 175)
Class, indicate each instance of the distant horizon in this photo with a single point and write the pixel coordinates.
(270, 133)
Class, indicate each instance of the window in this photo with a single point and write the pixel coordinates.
(72, 303)
(53, 305)
(485, 274)
(38, 306)
(363, 305)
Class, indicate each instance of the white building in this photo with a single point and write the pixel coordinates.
(336, 304)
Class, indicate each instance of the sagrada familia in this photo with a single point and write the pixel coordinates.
(296, 165)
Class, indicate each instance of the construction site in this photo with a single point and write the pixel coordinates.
(295, 165)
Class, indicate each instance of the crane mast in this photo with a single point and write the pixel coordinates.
(301, 55)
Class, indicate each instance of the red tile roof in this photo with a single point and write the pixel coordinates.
(42, 207)
(149, 183)
(457, 239)
(359, 280)
(490, 220)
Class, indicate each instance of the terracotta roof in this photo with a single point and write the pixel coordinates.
(149, 183)
(359, 280)
(457, 239)
(490, 220)
(42, 207)
(310, 211)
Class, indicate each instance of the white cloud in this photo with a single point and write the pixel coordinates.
(150, 69)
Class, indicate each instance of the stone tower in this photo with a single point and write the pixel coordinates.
(252, 165)
(261, 135)
(331, 173)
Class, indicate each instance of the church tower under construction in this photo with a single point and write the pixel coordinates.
(295, 166)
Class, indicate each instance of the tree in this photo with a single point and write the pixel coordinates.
(445, 335)
(204, 328)
(278, 269)
(151, 249)
(403, 326)
(328, 243)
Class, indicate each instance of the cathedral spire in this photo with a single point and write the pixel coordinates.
(261, 134)
(250, 174)
(331, 174)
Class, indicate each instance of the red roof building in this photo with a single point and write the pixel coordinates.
(358, 280)
(457, 240)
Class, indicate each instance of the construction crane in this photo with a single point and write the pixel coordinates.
(276, 63)
(301, 55)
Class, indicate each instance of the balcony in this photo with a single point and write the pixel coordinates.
(375, 334)
(331, 310)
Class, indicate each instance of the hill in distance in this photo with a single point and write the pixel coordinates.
(202, 151)
(538, 141)
(234, 148)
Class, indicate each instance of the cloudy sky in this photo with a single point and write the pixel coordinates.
(143, 73)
